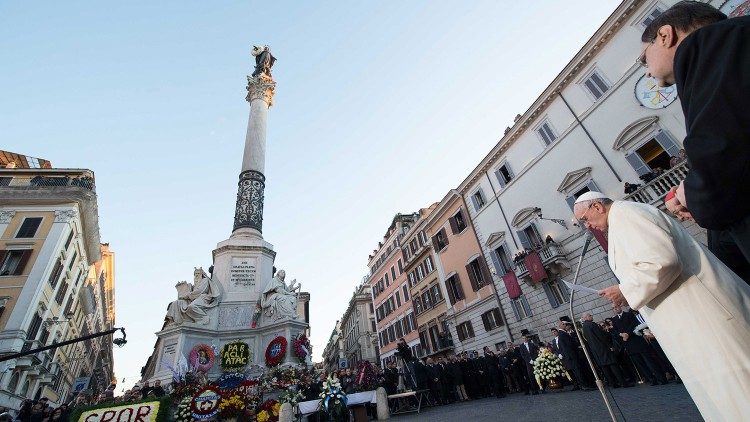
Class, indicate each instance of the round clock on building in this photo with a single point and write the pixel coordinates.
(651, 95)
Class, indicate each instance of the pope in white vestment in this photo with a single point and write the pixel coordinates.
(698, 308)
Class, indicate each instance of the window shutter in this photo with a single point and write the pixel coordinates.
(510, 170)
(459, 288)
(2, 256)
(22, 263)
(435, 245)
(445, 236)
(498, 318)
(496, 263)
(486, 322)
(472, 279)
(524, 239)
(563, 289)
(514, 304)
(449, 286)
(550, 296)
(475, 202)
(571, 200)
(637, 163)
(500, 178)
(526, 306)
(666, 142)
(453, 224)
(486, 275)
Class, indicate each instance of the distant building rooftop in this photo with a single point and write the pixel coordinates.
(22, 161)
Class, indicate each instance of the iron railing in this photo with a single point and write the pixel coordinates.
(653, 191)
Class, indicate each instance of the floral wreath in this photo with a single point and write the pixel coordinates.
(276, 351)
(301, 347)
(195, 354)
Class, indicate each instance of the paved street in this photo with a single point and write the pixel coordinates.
(643, 403)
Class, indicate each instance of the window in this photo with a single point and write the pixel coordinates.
(545, 132)
(417, 305)
(371, 310)
(457, 222)
(3, 303)
(492, 319)
(590, 186)
(398, 299)
(455, 291)
(426, 300)
(412, 279)
(521, 307)
(530, 237)
(405, 289)
(504, 174)
(61, 293)
(407, 254)
(557, 292)
(478, 199)
(654, 153)
(465, 330)
(478, 274)
(391, 333)
(393, 273)
(36, 322)
(13, 262)
(413, 323)
(437, 296)
(5, 181)
(73, 260)
(44, 337)
(70, 239)
(422, 238)
(653, 14)
(596, 85)
(428, 264)
(29, 227)
(501, 261)
(399, 329)
(440, 240)
(400, 267)
(373, 328)
(413, 245)
(420, 272)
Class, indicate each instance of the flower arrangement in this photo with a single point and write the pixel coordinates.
(276, 351)
(333, 399)
(548, 366)
(281, 377)
(291, 396)
(366, 379)
(202, 357)
(231, 407)
(256, 316)
(268, 411)
(301, 347)
(184, 413)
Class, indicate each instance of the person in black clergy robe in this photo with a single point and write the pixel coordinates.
(600, 345)
(469, 375)
(529, 353)
(391, 378)
(495, 381)
(447, 389)
(519, 369)
(707, 57)
(563, 347)
(434, 376)
(638, 349)
(457, 379)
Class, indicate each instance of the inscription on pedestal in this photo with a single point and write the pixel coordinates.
(168, 353)
(242, 272)
(235, 317)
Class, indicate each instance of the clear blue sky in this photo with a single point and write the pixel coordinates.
(381, 107)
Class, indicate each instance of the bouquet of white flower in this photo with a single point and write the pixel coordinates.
(333, 400)
(548, 367)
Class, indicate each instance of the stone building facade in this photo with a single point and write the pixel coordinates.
(358, 328)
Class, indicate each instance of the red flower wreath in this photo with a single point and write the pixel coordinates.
(276, 351)
(205, 361)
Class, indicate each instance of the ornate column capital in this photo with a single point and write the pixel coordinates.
(6, 216)
(260, 88)
(64, 216)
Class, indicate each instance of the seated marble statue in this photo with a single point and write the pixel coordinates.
(279, 301)
(194, 301)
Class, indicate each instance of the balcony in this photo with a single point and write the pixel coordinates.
(48, 178)
(553, 259)
(653, 192)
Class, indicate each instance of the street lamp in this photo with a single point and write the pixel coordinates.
(57, 320)
(538, 212)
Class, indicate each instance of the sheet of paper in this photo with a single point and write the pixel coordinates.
(579, 288)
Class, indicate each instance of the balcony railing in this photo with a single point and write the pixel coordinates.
(549, 254)
(653, 191)
(51, 178)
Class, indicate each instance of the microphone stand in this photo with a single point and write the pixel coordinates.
(599, 382)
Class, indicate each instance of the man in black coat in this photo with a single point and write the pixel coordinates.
(495, 382)
(602, 351)
(564, 348)
(707, 56)
(529, 353)
(391, 378)
(638, 349)
(434, 380)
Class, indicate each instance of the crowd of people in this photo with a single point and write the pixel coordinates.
(623, 349)
(36, 411)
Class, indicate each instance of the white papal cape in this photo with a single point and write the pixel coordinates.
(698, 308)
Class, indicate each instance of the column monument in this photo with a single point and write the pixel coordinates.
(241, 298)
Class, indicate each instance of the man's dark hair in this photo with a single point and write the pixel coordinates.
(684, 16)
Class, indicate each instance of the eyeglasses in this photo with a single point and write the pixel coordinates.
(583, 218)
(641, 60)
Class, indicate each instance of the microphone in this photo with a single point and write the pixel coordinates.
(598, 381)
